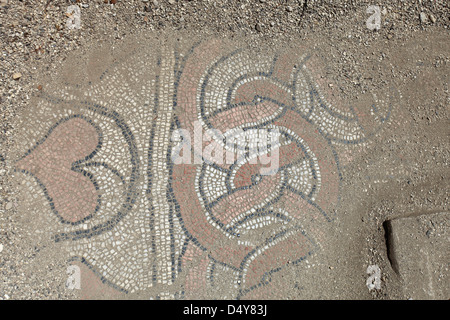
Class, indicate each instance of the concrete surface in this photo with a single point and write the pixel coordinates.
(420, 254)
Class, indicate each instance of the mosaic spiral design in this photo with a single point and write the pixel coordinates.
(98, 164)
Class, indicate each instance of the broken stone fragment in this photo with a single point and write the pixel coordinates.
(432, 18)
(423, 17)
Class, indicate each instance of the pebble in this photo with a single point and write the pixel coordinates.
(8, 206)
(1, 247)
(172, 1)
(258, 27)
(17, 76)
(423, 17)
(289, 9)
(432, 18)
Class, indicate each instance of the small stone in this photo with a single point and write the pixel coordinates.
(423, 17)
(258, 27)
(172, 1)
(432, 18)
(8, 206)
(155, 3)
(17, 76)
(113, 1)
(262, 1)
(1, 247)
(289, 9)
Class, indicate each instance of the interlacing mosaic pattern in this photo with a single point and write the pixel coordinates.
(97, 168)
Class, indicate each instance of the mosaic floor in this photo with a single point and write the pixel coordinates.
(98, 160)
